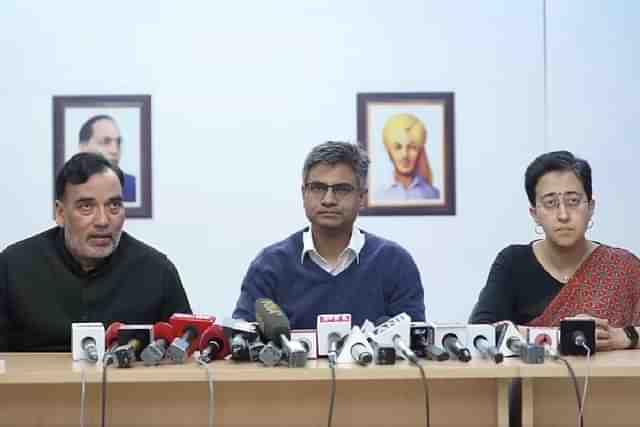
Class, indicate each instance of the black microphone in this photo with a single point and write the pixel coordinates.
(455, 347)
(243, 339)
(274, 328)
(483, 346)
(422, 342)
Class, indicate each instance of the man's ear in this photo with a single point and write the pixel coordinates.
(363, 197)
(59, 213)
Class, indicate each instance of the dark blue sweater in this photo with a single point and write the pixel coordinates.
(385, 281)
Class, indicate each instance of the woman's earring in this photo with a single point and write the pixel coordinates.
(590, 224)
(539, 231)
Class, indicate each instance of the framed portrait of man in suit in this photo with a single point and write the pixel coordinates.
(410, 141)
(116, 126)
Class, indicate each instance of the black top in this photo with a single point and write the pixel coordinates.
(43, 290)
(518, 288)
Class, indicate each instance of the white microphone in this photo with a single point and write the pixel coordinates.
(87, 341)
(396, 332)
(511, 343)
(331, 328)
(483, 340)
(453, 337)
(356, 348)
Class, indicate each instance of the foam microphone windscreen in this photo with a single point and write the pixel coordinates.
(272, 321)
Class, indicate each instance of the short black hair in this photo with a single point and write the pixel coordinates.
(78, 169)
(86, 131)
(335, 152)
(556, 161)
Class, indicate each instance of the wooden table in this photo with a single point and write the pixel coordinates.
(44, 390)
(613, 396)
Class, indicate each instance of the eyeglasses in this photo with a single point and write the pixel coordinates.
(319, 189)
(570, 200)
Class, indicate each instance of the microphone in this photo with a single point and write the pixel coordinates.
(355, 348)
(242, 337)
(483, 337)
(330, 329)
(395, 332)
(575, 333)
(111, 340)
(154, 352)
(188, 327)
(453, 337)
(510, 343)
(455, 347)
(274, 328)
(422, 342)
(270, 354)
(87, 341)
(308, 339)
(131, 340)
(213, 344)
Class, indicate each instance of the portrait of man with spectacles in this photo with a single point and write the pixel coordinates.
(101, 134)
(333, 266)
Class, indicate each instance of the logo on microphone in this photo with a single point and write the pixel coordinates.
(334, 318)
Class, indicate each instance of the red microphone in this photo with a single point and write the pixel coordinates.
(188, 328)
(125, 342)
(111, 336)
(214, 345)
(163, 335)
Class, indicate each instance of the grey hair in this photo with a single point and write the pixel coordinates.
(336, 152)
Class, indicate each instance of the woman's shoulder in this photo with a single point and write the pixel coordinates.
(618, 255)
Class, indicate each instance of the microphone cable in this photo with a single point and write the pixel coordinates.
(413, 360)
(425, 386)
(107, 360)
(586, 380)
(575, 386)
(332, 402)
(210, 380)
(83, 395)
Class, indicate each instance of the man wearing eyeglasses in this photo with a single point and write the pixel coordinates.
(100, 134)
(333, 267)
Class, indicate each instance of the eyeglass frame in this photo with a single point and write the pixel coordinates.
(564, 195)
(324, 189)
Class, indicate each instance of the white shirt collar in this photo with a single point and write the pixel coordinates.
(355, 243)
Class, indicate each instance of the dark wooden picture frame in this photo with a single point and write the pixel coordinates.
(410, 141)
(130, 116)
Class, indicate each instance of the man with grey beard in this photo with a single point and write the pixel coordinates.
(86, 269)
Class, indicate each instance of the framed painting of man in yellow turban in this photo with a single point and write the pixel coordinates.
(410, 141)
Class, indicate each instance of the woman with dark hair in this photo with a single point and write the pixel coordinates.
(564, 274)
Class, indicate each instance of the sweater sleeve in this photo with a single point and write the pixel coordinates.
(495, 302)
(4, 308)
(259, 282)
(408, 294)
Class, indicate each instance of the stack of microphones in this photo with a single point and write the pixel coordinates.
(275, 333)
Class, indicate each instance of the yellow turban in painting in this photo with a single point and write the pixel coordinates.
(406, 128)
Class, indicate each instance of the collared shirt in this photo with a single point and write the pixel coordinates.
(418, 189)
(346, 257)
